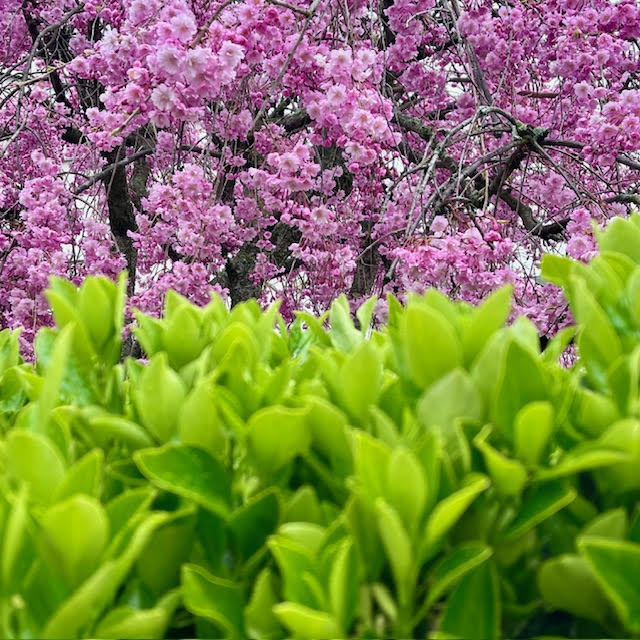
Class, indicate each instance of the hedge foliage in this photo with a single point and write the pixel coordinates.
(441, 477)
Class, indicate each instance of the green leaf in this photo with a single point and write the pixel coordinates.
(95, 310)
(370, 457)
(294, 561)
(32, 459)
(532, 431)
(171, 544)
(398, 548)
(260, 621)
(307, 534)
(76, 532)
(520, 382)
(432, 347)
(610, 524)
(236, 350)
(83, 477)
(428, 449)
(365, 313)
(441, 303)
(213, 598)
(449, 510)
(557, 269)
(556, 346)
(567, 582)
(276, 435)
(383, 427)
(65, 313)
(328, 428)
(442, 408)
(598, 343)
(104, 428)
(9, 350)
(344, 582)
(616, 566)
(86, 604)
(159, 396)
(199, 423)
(525, 333)
(126, 622)
(622, 379)
(149, 333)
(361, 520)
(453, 396)
(541, 503)
(508, 476)
(184, 337)
(582, 458)
(624, 436)
(189, 472)
(303, 506)
(254, 521)
(344, 336)
(360, 380)
(385, 601)
(315, 333)
(453, 567)
(304, 622)
(485, 320)
(621, 236)
(593, 412)
(633, 295)
(50, 392)
(15, 537)
(488, 366)
(473, 610)
(126, 505)
(406, 487)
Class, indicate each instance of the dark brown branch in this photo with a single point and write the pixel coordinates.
(544, 231)
(625, 198)
(121, 216)
(417, 126)
(571, 144)
(111, 168)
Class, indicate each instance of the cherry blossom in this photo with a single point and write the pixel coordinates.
(298, 150)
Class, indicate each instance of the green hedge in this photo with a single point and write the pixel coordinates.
(439, 478)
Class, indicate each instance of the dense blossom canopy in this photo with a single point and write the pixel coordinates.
(298, 149)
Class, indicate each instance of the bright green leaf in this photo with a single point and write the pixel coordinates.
(304, 622)
(189, 472)
(473, 610)
(541, 503)
(159, 396)
(432, 347)
(532, 429)
(216, 599)
(276, 435)
(32, 459)
(567, 582)
(616, 565)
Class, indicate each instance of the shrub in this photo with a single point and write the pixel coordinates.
(441, 477)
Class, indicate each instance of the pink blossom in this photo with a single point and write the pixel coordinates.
(163, 97)
(183, 27)
(170, 60)
(230, 54)
(439, 225)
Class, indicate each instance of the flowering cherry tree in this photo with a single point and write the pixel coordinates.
(296, 149)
